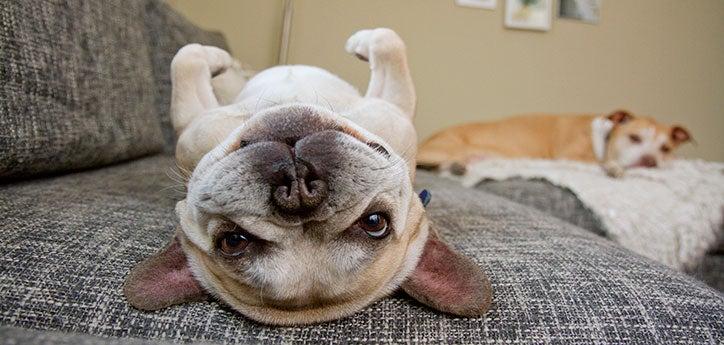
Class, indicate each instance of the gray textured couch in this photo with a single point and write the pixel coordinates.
(68, 239)
(563, 203)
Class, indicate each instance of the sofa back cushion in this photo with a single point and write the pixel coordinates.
(76, 86)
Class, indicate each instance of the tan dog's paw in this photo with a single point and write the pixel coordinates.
(613, 170)
(375, 44)
(194, 55)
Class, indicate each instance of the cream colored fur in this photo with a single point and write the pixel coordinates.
(307, 280)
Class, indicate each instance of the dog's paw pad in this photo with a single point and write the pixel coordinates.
(219, 60)
(358, 44)
(614, 171)
(375, 44)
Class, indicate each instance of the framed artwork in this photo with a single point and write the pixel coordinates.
(587, 11)
(486, 4)
(528, 14)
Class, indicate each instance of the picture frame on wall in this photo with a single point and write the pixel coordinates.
(485, 4)
(587, 11)
(528, 14)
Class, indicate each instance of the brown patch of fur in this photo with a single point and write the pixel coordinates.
(530, 136)
(680, 134)
(620, 116)
(534, 136)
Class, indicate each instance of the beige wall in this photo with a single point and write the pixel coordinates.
(252, 27)
(664, 58)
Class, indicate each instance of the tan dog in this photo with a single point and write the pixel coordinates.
(300, 207)
(617, 141)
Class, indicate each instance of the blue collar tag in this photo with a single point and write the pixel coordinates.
(425, 197)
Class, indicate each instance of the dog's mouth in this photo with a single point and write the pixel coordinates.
(647, 162)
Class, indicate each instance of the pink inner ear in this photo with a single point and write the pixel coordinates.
(620, 116)
(448, 281)
(162, 280)
(449, 285)
(680, 134)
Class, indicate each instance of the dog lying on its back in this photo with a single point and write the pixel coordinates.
(617, 141)
(300, 206)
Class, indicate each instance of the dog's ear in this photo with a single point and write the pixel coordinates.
(680, 135)
(620, 116)
(448, 281)
(162, 280)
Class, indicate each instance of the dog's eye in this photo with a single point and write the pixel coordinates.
(634, 138)
(665, 149)
(375, 225)
(233, 243)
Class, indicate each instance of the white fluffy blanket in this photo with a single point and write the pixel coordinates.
(671, 214)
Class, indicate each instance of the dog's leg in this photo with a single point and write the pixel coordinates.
(612, 169)
(228, 85)
(390, 78)
(600, 128)
(192, 92)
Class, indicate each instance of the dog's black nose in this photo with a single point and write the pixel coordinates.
(297, 186)
(298, 189)
(648, 161)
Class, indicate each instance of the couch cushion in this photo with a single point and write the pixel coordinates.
(545, 196)
(67, 243)
(76, 86)
(711, 271)
(24, 336)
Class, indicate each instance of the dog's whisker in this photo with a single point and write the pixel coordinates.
(261, 95)
(176, 177)
(329, 104)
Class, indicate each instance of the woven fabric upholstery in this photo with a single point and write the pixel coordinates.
(169, 31)
(67, 243)
(76, 86)
(547, 197)
(14, 335)
(711, 271)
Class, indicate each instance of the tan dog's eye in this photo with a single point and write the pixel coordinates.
(634, 138)
(233, 243)
(665, 149)
(374, 224)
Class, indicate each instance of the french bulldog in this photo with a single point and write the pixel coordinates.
(616, 141)
(299, 205)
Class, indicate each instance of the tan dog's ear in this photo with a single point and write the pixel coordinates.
(680, 135)
(620, 116)
(448, 281)
(162, 280)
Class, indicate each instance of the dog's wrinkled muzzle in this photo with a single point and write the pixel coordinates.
(290, 124)
(296, 149)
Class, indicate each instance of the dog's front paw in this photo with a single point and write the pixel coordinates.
(375, 45)
(613, 170)
(217, 59)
